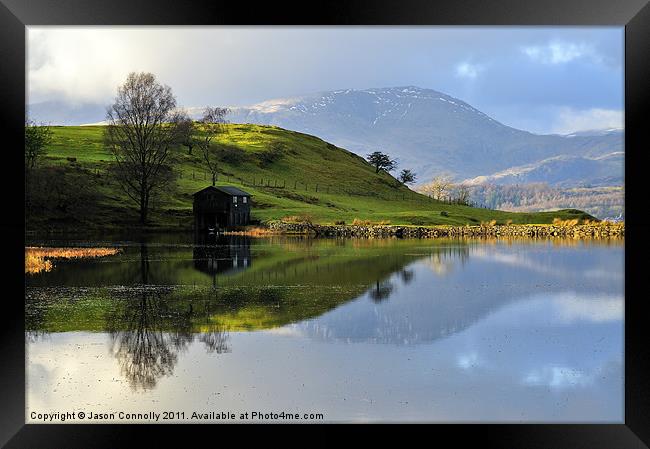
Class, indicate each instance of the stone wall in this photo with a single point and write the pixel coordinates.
(600, 230)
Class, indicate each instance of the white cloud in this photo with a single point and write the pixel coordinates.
(571, 120)
(559, 52)
(468, 70)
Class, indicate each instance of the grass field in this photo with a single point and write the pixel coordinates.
(310, 177)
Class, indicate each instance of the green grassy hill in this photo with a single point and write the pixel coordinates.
(306, 175)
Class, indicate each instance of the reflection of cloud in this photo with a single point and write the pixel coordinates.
(598, 273)
(289, 331)
(558, 377)
(469, 361)
(571, 307)
(518, 261)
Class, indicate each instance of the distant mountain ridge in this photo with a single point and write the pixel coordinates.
(431, 132)
(428, 131)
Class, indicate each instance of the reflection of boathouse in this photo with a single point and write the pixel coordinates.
(222, 254)
(220, 207)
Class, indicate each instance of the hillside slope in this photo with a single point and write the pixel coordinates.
(306, 176)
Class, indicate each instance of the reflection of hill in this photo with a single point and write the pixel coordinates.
(299, 280)
(432, 307)
(281, 287)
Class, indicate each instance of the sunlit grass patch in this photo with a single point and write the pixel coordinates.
(39, 259)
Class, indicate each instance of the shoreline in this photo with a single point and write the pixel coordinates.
(597, 230)
(600, 230)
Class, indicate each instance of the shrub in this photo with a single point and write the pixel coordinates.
(444, 213)
(358, 222)
(232, 155)
(271, 154)
(339, 222)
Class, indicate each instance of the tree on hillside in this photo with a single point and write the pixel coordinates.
(211, 125)
(186, 131)
(381, 161)
(461, 194)
(438, 188)
(142, 126)
(37, 137)
(407, 176)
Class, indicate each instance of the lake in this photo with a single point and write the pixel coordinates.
(329, 330)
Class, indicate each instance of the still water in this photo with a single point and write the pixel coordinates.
(355, 330)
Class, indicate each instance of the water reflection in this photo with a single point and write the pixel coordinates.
(147, 333)
(215, 254)
(381, 291)
(475, 317)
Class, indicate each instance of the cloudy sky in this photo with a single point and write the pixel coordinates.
(541, 79)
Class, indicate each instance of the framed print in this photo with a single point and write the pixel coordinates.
(382, 213)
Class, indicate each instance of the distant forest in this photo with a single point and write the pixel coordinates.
(602, 202)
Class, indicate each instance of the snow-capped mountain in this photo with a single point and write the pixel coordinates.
(426, 130)
(430, 132)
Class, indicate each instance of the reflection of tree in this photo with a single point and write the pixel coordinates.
(381, 291)
(143, 350)
(147, 333)
(442, 261)
(215, 339)
(35, 336)
(407, 276)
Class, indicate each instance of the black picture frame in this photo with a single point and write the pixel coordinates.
(15, 15)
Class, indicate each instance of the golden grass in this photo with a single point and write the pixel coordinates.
(39, 259)
(302, 218)
(252, 232)
(565, 223)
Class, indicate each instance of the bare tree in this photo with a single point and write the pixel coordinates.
(407, 176)
(381, 161)
(142, 126)
(211, 124)
(437, 188)
(461, 194)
